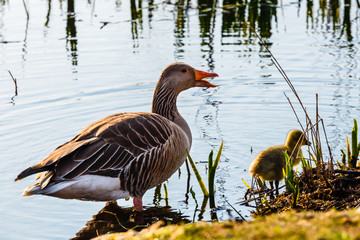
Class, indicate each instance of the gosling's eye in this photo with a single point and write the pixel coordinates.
(184, 70)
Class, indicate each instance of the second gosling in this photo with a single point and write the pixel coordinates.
(269, 163)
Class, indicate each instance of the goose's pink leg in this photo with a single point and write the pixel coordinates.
(138, 204)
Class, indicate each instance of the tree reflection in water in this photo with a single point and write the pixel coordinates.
(236, 17)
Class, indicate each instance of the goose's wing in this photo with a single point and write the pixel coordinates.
(105, 147)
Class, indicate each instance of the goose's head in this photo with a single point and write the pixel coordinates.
(180, 76)
(296, 138)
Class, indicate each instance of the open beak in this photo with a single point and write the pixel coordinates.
(200, 82)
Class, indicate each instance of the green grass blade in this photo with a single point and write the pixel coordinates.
(210, 161)
(354, 135)
(217, 159)
(212, 170)
(348, 152)
(210, 173)
(313, 158)
(166, 191)
(343, 158)
(193, 195)
(354, 143)
(296, 195)
(197, 174)
(211, 181)
(305, 163)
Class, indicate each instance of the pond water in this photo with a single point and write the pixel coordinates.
(77, 62)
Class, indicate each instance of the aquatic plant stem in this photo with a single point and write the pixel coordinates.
(166, 195)
(354, 144)
(212, 169)
(197, 174)
(15, 83)
(235, 210)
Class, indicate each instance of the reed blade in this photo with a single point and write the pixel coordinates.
(197, 174)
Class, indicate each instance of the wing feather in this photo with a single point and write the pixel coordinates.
(121, 145)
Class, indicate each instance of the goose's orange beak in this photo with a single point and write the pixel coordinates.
(200, 82)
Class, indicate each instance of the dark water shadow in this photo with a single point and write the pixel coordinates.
(113, 218)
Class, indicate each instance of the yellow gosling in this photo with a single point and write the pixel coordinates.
(268, 164)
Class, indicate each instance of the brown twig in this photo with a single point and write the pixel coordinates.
(352, 172)
(236, 210)
(292, 107)
(15, 82)
(327, 143)
(258, 191)
(27, 12)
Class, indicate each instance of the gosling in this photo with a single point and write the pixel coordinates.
(269, 163)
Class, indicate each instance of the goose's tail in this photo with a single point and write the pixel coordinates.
(31, 190)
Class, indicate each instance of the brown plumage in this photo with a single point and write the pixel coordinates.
(124, 154)
(268, 164)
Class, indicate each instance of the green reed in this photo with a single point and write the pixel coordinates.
(353, 152)
(197, 174)
(212, 169)
(212, 166)
(291, 180)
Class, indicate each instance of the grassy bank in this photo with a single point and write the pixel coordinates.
(288, 225)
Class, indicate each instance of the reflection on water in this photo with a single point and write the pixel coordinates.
(71, 39)
(237, 15)
(136, 19)
(330, 17)
(113, 218)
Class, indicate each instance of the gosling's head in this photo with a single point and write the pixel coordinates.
(296, 138)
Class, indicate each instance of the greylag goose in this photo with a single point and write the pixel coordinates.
(268, 164)
(124, 154)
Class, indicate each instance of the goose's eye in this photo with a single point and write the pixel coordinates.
(184, 70)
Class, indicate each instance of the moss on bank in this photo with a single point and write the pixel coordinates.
(289, 225)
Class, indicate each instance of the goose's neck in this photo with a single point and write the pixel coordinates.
(164, 104)
(293, 144)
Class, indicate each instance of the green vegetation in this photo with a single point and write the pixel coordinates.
(212, 166)
(212, 169)
(291, 180)
(330, 225)
(318, 188)
(197, 174)
(353, 151)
